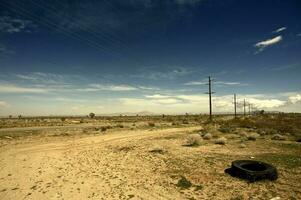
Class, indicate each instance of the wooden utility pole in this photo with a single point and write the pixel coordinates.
(210, 101)
(244, 107)
(249, 109)
(235, 116)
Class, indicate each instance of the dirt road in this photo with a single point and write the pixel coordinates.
(93, 167)
(141, 164)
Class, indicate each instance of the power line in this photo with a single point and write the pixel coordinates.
(210, 98)
(235, 115)
(249, 108)
(84, 27)
(45, 21)
(244, 107)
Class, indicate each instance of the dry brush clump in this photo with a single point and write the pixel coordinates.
(194, 140)
(278, 137)
(207, 136)
(253, 136)
(221, 140)
(158, 149)
(151, 124)
(269, 123)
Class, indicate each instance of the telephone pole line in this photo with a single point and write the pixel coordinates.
(210, 98)
(249, 109)
(235, 116)
(244, 107)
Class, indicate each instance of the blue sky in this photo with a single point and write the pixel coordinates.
(110, 56)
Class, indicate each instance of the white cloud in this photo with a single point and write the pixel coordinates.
(230, 83)
(196, 83)
(167, 101)
(157, 96)
(279, 30)
(100, 87)
(148, 88)
(295, 99)
(14, 25)
(18, 89)
(285, 67)
(266, 103)
(194, 98)
(155, 74)
(263, 44)
(3, 104)
(199, 103)
(215, 83)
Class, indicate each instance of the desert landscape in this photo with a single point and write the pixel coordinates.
(147, 157)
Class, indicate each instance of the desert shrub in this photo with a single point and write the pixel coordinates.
(242, 133)
(183, 183)
(151, 124)
(91, 115)
(278, 137)
(221, 140)
(63, 119)
(194, 140)
(237, 198)
(225, 129)
(207, 136)
(103, 128)
(280, 123)
(232, 136)
(198, 187)
(119, 126)
(252, 136)
(158, 149)
(185, 121)
(174, 124)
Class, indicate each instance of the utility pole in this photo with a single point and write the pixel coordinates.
(210, 101)
(244, 107)
(249, 109)
(235, 116)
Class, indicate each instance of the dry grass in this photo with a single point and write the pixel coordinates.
(221, 140)
(194, 140)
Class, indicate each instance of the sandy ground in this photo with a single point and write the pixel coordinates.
(136, 164)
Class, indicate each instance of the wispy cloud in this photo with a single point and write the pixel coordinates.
(157, 96)
(4, 51)
(100, 87)
(196, 83)
(5, 88)
(15, 25)
(295, 98)
(46, 78)
(285, 67)
(279, 30)
(264, 44)
(148, 88)
(205, 82)
(157, 74)
(183, 2)
(199, 103)
(3, 104)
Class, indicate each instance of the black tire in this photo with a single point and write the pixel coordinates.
(252, 170)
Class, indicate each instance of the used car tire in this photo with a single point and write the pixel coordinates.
(252, 170)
